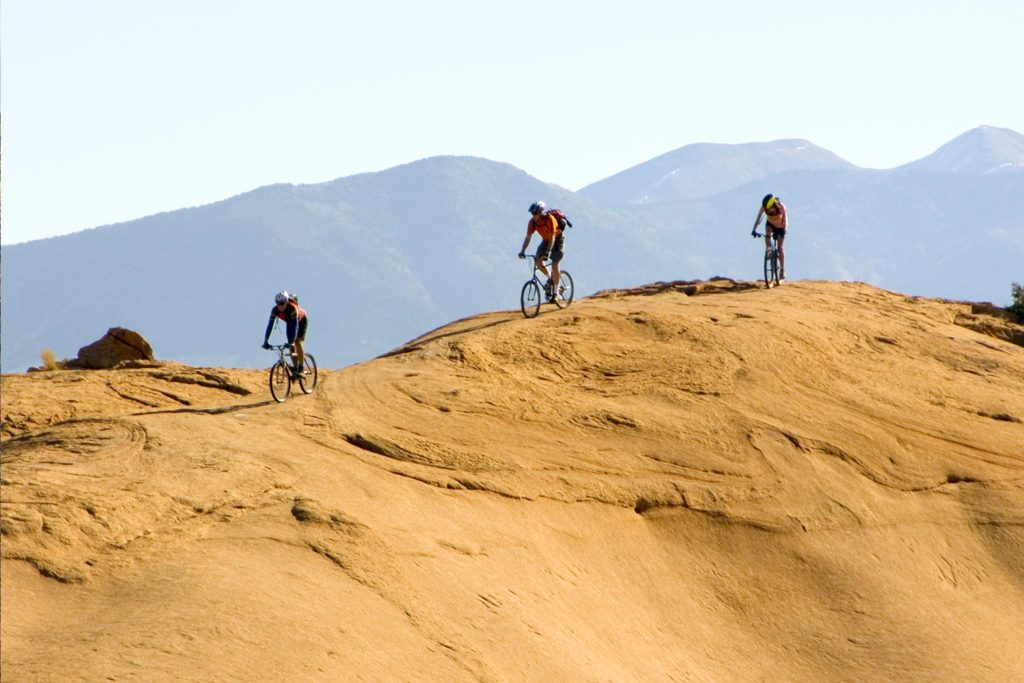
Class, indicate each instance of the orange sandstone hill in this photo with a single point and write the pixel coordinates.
(686, 481)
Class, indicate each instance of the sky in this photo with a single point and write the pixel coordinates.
(114, 110)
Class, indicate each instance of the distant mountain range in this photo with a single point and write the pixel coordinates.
(379, 258)
(982, 150)
(705, 169)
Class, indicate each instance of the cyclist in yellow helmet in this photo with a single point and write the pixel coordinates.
(774, 212)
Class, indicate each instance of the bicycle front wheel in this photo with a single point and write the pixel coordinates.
(308, 380)
(565, 290)
(530, 299)
(280, 381)
(770, 265)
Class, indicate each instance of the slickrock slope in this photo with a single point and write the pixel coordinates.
(704, 481)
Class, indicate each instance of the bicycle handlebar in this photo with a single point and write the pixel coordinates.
(280, 348)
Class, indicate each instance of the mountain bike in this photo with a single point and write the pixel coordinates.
(531, 297)
(283, 372)
(771, 260)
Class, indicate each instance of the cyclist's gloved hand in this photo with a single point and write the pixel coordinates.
(522, 254)
(266, 345)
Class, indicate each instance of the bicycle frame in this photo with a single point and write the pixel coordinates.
(533, 261)
(531, 302)
(541, 283)
(290, 360)
(284, 370)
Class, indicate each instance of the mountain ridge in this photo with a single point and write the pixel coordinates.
(986, 149)
(709, 168)
(377, 257)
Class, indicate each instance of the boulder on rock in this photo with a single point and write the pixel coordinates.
(116, 346)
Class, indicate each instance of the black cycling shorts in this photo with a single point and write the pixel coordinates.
(556, 253)
(290, 329)
(780, 233)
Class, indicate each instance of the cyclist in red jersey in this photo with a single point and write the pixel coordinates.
(546, 225)
(296, 321)
(774, 212)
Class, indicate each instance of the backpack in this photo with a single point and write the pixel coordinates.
(293, 299)
(560, 217)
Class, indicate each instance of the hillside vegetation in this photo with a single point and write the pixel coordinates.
(685, 481)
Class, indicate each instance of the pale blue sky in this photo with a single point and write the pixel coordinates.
(117, 109)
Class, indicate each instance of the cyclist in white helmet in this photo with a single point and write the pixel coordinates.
(553, 244)
(286, 308)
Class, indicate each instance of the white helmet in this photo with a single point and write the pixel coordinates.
(281, 298)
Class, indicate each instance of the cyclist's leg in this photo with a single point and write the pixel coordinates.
(782, 254)
(300, 339)
(291, 329)
(557, 252)
(542, 252)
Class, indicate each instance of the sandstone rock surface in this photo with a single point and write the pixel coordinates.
(116, 346)
(679, 482)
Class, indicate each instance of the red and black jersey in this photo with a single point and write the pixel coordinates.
(291, 312)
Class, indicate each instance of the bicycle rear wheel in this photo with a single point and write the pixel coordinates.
(530, 298)
(280, 381)
(565, 288)
(308, 381)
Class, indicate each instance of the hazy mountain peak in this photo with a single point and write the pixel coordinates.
(985, 149)
(703, 169)
(379, 256)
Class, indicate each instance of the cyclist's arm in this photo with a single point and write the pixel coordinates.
(529, 235)
(270, 328)
(760, 212)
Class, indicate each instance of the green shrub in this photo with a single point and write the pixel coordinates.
(1017, 307)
